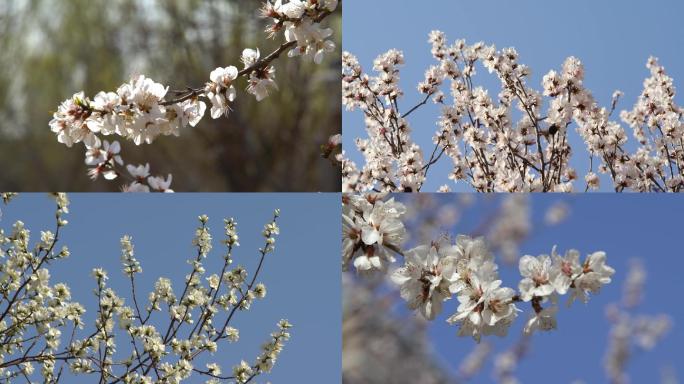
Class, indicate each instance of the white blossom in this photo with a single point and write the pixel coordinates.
(595, 274)
(485, 308)
(425, 279)
(372, 232)
(220, 90)
(537, 275)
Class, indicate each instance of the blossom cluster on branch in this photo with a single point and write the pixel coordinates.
(373, 235)
(516, 141)
(164, 340)
(142, 109)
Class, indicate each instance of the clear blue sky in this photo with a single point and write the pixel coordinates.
(302, 278)
(613, 39)
(625, 227)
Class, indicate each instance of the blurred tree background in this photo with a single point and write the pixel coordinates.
(50, 49)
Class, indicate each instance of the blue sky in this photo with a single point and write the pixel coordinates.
(625, 227)
(301, 277)
(613, 40)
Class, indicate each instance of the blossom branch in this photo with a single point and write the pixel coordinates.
(434, 273)
(491, 152)
(34, 314)
(141, 110)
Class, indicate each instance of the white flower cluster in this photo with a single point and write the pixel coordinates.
(31, 305)
(143, 182)
(300, 20)
(658, 124)
(434, 273)
(135, 112)
(491, 151)
(371, 231)
(141, 110)
(167, 337)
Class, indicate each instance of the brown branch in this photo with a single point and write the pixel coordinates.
(427, 97)
(261, 63)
